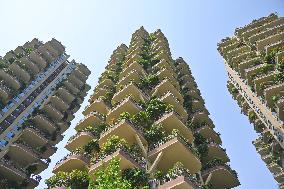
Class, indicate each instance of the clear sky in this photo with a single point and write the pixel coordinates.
(91, 30)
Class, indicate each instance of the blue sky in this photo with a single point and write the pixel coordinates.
(91, 30)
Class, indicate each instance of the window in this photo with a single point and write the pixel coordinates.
(10, 135)
(3, 143)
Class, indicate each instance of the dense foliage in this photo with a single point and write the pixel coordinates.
(110, 177)
(75, 179)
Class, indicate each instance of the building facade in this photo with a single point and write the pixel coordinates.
(147, 112)
(40, 90)
(254, 61)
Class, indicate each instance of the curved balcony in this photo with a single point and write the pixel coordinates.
(166, 73)
(126, 161)
(30, 65)
(264, 34)
(70, 87)
(9, 55)
(215, 151)
(162, 64)
(197, 104)
(76, 81)
(133, 51)
(10, 80)
(63, 126)
(44, 123)
(184, 71)
(74, 109)
(162, 47)
(279, 177)
(269, 92)
(52, 49)
(127, 105)
(247, 64)
(230, 46)
(83, 68)
(25, 155)
(79, 140)
(227, 42)
(135, 58)
(274, 38)
(263, 150)
(163, 55)
(222, 177)
(36, 58)
(51, 149)
(32, 44)
(243, 56)
(129, 90)
(201, 116)
(65, 95)
(255, 72)
(189, 84)
(274, 168)
(136, 44)
(236, 52)
(123, 129)
(194, 93)
(267, 158)
(257, 26)
(172, 121)
(187, 78)
(169, 98)
(72, 161)
(207, 132)
(20, 72)
(70, 115)
(106, 83)
(59, 103)
(32, 135)
(133, 66)
(165, 87)
(80, 75)
(11, 171)
(52, 112)
(96, 106)
(132, 76)
(93, 118)
(57, 45)
(98, 93)
(174, 150)
(159, 45)
(180, 182)
(45, 54)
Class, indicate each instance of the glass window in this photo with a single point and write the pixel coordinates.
(10, 135)
(3, 143)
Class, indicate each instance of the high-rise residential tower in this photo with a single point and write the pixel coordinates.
(254, 61)
(147, 112)
(40, 90)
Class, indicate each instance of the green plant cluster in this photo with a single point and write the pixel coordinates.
(137, 177)
(76, 179)
(147, 58)
(149, 82)
(201, 144)
(252, 116)
(110, 177)
(144, 120)
(7, 184)
(177, 170)
(213, 163)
